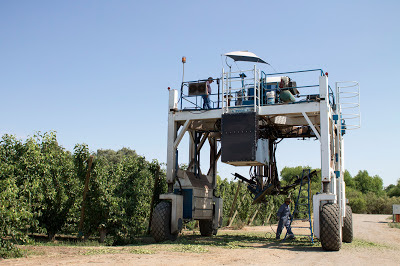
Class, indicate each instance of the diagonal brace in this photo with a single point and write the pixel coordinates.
(311, 125)
(181, 134)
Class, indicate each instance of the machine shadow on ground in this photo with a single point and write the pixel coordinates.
(241, 241)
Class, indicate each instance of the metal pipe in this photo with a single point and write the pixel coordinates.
(259, 87)
(293, 72)
(325, 187)
(183, 76)
(223, 87)
(218, 93)
(181, 94)
(255, 88)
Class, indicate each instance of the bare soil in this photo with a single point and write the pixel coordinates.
(374, 243)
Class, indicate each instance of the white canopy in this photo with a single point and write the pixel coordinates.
(245, 56)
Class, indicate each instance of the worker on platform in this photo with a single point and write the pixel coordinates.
(206, 97)
(284, 217)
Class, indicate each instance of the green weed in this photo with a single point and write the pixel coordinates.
(69, 243)
(360, 243)
(189, 248)
(9, 250)
(102, 251)
(394, 225)
(141, 251)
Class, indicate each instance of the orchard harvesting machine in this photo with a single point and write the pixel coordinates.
(250, 112)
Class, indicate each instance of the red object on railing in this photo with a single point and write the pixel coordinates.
(281, 83)
(169, 88)
(326, 73)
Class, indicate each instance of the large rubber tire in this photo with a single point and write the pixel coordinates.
(330, 228)
(206, 227)
(347, 229)
(161, 223)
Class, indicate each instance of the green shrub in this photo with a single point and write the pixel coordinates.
(357, 200)
(9, 250)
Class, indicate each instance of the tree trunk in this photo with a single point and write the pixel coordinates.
(103, 233)
(52, 236)
(86, 236)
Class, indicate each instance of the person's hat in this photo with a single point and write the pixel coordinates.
(210, 78)
(287, 199)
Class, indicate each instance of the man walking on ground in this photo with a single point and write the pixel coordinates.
(284, 217)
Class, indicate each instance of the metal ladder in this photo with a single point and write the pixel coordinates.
(305, 185)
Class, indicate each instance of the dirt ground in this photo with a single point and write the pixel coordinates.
(374, 243)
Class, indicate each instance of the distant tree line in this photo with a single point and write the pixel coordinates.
(366, 193)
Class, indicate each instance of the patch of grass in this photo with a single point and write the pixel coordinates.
(90, 243)
(360, 243)
(189, 248)
(225, 239)
(110, 250)
(141, 251)
(237, 244)
(34, 253)
(101, 251)
(394, 225)
(190, 225)
(239, 225)
(302, 241)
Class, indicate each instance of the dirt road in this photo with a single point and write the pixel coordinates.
(375, 243)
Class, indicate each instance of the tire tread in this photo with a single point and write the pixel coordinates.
(347, 230)
(161, 223)
(206, 227)
(330, 227)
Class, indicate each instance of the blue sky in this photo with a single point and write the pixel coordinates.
(97, 72)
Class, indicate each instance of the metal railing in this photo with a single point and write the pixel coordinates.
(247, 90)
(196, 102)
(348, 104)
(302, 97)
(241, 90)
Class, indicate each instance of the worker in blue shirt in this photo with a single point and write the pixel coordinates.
(284, 217)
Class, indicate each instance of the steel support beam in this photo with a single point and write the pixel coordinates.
(325, 137)
(181, 134)
(311, 125)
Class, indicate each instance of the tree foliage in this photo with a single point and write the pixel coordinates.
(393, 190)
(42, 185)
(366, 183)
(366, 195)
(41, 189)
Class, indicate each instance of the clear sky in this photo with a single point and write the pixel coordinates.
(97, 72)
